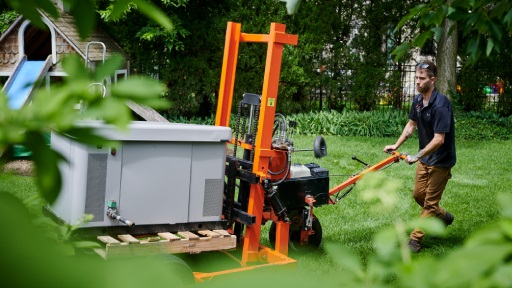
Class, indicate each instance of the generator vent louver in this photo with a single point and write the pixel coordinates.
(96, 186)
(211, 204)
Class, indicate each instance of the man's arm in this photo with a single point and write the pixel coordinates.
(432, 146)
(410, 127)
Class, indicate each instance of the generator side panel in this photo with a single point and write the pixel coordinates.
(155, 182)
(63, 205)
(207, 181)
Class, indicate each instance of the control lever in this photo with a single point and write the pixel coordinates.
(355, 158)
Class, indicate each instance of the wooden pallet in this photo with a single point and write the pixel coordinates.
(166, 243)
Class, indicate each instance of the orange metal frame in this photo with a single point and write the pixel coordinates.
(276, 39)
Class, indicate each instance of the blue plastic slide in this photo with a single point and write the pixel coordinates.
(19, 88)
(22, 83)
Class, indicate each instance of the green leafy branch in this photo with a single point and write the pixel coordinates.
(83, 12)
(172, 39)
(483, 22)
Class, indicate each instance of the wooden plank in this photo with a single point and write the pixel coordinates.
(224, 233)
(188, 235)
(128, 239)
(172, 247)
(169, 236)
(147, 113)
(109, 240)
(209, 233)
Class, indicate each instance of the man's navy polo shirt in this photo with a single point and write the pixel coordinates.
(436, 117)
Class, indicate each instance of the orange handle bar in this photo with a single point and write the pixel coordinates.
(395, 157)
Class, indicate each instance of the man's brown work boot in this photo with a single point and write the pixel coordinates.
(448, 218)
(414, 245)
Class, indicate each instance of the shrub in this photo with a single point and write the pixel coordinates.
(382, 123)
(388, 123)
(483, 126)
(190, 120)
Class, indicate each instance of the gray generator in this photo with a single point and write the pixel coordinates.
(161, 177)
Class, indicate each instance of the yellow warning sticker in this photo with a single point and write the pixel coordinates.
(271, 102)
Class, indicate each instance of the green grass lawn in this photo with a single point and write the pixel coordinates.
(482, 171)
(23, 187)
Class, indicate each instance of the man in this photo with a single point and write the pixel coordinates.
(431, 114)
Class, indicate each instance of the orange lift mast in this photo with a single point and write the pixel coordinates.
(276, 39)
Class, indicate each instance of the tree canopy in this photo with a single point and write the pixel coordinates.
(484, 24)
(342, 44)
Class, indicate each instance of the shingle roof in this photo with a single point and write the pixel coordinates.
(66, 28)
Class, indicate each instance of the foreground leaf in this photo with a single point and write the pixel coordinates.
(346, 258)
(46, 160)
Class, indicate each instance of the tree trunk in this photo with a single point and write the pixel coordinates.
(446, 59)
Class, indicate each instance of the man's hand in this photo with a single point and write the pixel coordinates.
(410, 159)
(390, 148)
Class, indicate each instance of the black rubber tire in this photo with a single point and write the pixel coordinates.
(314, 240)
(320, 147)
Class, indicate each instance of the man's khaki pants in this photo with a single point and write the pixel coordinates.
(428, 189)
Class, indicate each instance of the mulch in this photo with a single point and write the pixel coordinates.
(19, 167)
